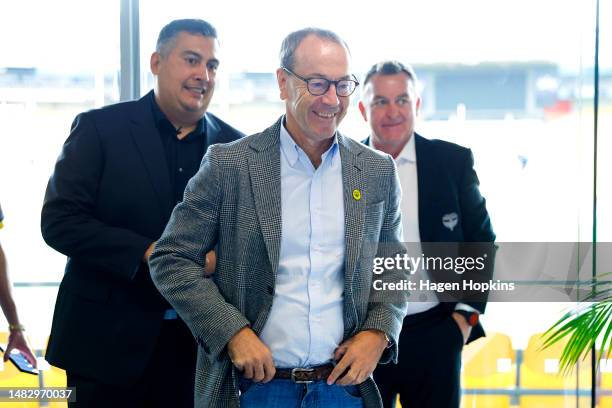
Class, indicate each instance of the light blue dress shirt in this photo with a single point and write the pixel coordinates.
(306, 322)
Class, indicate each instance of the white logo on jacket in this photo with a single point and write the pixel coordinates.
(450, 220)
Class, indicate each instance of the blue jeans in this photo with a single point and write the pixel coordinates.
(287, 394)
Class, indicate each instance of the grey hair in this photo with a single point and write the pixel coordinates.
(293, 40)
(168, 34)
(390, 68)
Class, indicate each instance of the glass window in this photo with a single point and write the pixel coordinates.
(53, 65)
(604, 170)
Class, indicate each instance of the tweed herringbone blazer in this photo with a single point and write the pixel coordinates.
(234, 204)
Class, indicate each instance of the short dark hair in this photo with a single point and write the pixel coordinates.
(390, 68)
(167, 35)
(293, 40)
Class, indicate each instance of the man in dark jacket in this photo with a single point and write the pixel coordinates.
(121, 172)
(441, 202)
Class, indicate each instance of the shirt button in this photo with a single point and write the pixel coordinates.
(180, 169)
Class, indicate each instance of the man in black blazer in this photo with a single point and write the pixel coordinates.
(121, 172)
(441, 202)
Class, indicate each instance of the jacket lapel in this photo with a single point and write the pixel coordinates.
(148, 142)
(355, 200)
(213, 131)
(427, 183)
(264, 172)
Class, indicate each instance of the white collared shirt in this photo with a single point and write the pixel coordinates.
(306, 321)
(406, 163)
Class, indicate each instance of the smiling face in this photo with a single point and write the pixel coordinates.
(390, 105)
(185, 77)
(314, 119)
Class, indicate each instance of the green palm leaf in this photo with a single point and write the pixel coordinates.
(583, 325)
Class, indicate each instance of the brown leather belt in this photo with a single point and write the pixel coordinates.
(304, 375)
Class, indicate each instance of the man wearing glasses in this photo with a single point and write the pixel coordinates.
(289, 317)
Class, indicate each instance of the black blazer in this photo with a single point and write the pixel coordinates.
(447, 184)
(108, 199)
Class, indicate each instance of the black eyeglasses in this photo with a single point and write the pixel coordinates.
(319, 86)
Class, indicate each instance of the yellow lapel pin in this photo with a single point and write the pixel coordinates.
(357, 195)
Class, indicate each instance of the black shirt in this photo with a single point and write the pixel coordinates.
(183, 156)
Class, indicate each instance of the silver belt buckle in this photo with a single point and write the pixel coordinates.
(301, 370)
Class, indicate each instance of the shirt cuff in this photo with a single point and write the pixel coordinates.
(467, 308)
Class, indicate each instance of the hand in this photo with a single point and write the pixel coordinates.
(359, 355)
(18, 341)
(148, 252)
(211, 263)
(250, 355)
(465, 328)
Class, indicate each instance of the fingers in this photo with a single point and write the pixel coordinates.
(148, 252)
(358, 357)
(30, 357)
(262, 366)
(270, 370)
(239, 367)
(258, 372)
(352, 377)
(211, 263)
(248, 372)
(23, 349)
(338, 370)
(18, 342)
(249, 354)
(340, 351)
(463, 326)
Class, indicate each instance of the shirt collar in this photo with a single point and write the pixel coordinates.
(292, 151)
(161, 120)
(407, 154)
(163, 123)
